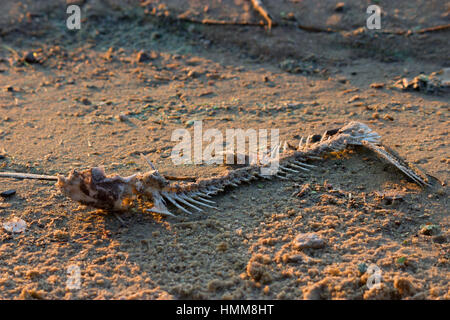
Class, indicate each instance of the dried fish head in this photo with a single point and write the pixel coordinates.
(92, 187)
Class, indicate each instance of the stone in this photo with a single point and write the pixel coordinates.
(143, 57)
(339, 7)
(430, 230)
(440, 239)
(8, 193)
(30, 57)
(308, 240)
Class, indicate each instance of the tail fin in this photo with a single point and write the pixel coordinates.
(391, 156)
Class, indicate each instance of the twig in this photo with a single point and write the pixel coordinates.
(433, 29)
(258, 6)
(19, 175)
(16, 54)
(317, 29)
(385, 31)
(222, 22)
(312, 28)
(11, 49)
(213, 21)
(180, 178)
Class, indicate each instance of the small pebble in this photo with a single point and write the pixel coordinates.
(308, 240)
(377, 85)
(155, 35)
(290, 16)
(193, 74)
(143, 57)
(430, 230)
(86, 101)
(8, 193)
(295, 258)
(123, 117)
(222, 247)
(339, 7)
(30, 57)
(440, 239)
(354, 98)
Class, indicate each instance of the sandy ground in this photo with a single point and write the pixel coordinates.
(64, 112)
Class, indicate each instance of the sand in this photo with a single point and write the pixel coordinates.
(89, 101)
